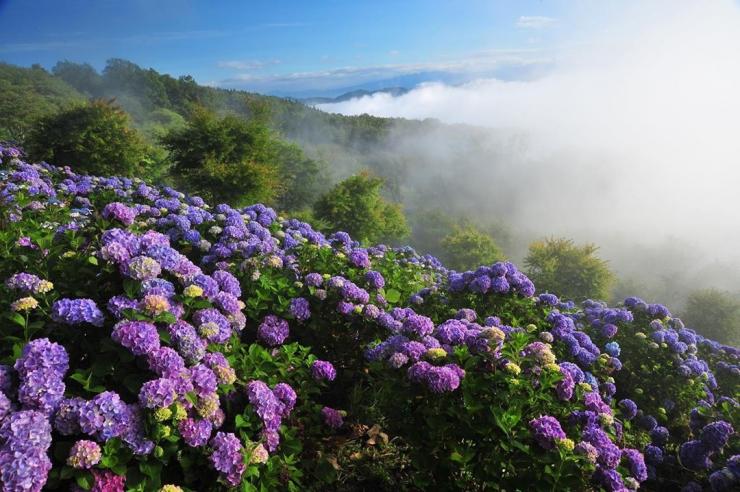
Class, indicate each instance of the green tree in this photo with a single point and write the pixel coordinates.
(560, 266)
(27, 94)
(81, 76)
(95, 138)
(357, 206)
(466, 247)
(226, 159)
(715, 314)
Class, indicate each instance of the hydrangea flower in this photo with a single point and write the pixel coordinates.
(84, 454)
(227, 458)
(273, 330)
(333, 418)
(323, 370)
(76, 312)
(547, 431)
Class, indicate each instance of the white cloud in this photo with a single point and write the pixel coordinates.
(476, 63)
(246, 64)
(634, 130)
(534, 22)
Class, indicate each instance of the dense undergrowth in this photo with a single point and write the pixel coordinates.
(153, 342)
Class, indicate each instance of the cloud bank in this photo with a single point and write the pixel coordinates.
(631, 138)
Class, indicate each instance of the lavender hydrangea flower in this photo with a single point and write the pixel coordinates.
(203, 378)
(105, 416)
(157, 393)
(42, 354)
(359, 258)
(76, 312)
(323, 370)
(300, 308)
(287, 397)
(636, 463)
(217, 363)
(140, 337)
(313, 280)
(547, 431)
(195, 432)
(120, 212)
(273, 330)
(374, 280)
(42, 389)
(227, 457)
(165, 362)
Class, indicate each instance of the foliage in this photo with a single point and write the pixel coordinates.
(94, 137)
(36, 92)
(574, 272)
(467, 247)
(429, 379)
(241, 161)
(715, 314)
(356, 206)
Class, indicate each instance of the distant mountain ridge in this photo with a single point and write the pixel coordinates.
(393, 91)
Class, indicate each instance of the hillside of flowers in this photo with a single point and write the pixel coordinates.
(154, 342)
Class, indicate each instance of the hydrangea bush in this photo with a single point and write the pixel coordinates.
(152, 341)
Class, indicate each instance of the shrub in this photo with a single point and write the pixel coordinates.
(715, 314)
(92, 138)
(356, 206)
(572, 271)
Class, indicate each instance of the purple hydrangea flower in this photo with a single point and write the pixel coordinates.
(628, 408)
(76, 312)
(636, 463)
(195, 432)
(42, 390)
(140, 337)
(359, 258)
(120, 212)
(547, 431)
(287, 397)
(374, 280)
(716, 435)
(204, 380)
(41, 354)
(273, 330)
(158, 393)
(300, 308)
(333, 418)
(227, 457)
(694, 455)
(323, 370)
(105, 416)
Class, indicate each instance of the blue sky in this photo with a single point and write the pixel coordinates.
(289, 47)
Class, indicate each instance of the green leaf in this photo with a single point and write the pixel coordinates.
(84, 481)
(392, 295)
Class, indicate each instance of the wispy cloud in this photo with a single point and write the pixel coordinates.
(247, 64)
(534, 22)
(475, 64)
(39, 46)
